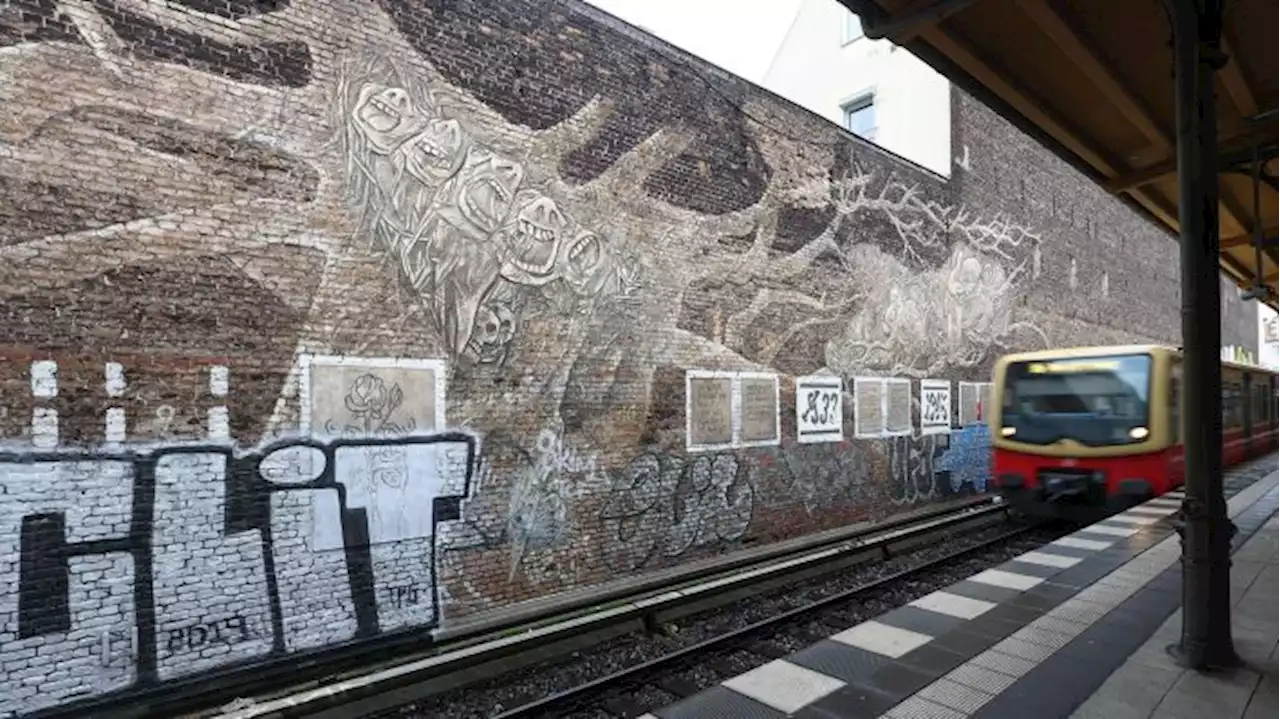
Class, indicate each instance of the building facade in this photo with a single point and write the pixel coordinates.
(325, 322)
(870, 87)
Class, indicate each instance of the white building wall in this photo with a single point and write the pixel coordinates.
(817, 70)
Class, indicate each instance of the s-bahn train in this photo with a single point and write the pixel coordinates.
(1085, 432)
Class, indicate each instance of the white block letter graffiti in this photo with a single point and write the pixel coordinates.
(67, 578)
(210, 586)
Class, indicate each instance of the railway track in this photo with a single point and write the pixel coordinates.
(682, 673)
(388, 690)
(452, 677)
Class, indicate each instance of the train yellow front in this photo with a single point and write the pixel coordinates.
(1083, 432)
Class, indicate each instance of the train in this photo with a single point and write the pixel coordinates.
(1085, 432)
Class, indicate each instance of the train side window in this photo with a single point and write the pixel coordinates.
(1235, 415)
(1231, 416)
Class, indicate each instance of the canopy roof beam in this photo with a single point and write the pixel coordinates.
(1086, 59)
(1235, 152)
(908, 23)
(1234, 83)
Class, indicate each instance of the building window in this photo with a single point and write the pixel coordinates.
(852, 27)
(860, 117)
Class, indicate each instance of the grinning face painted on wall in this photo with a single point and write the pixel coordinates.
(532, 239)
(386, 116)
(585, 263)
(435, 154)
(483, 192)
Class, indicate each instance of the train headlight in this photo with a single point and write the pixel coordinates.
(1139, 432)
(1007, 431)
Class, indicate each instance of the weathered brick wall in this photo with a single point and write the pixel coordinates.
(1119, 271)
(495, 240)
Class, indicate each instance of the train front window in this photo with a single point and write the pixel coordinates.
(1096, 401)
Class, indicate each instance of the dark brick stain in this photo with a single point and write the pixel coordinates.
(135, 311)
(31, 209)
(23, 21)
(252, 168)
(552, 65)
(798, 225)
(224, 169)
(235, 9)
(272, 64)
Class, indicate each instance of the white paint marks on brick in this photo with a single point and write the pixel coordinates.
(219, 423)
(116, 383)
(218, 418)
(219, 380)
(92, 654)
(115, 429)
(44, 378)
(44, 427)
(116, 426)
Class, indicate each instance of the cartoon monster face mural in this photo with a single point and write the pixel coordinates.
(435, 154)
(532, 239)
(585, 263)
(481, 194)
(386, 116)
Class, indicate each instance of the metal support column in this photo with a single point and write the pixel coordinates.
(1206, 588)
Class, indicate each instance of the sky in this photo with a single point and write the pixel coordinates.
(740, 36)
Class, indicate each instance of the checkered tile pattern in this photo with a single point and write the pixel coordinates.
(949, 653)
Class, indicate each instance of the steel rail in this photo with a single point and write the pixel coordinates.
(341, 697)
(572, 698)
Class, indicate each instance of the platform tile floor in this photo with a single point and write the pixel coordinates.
(1002, 643)
(1149, 685)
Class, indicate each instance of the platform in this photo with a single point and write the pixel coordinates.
(1074, 629)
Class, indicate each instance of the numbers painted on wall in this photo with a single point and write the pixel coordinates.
(819, 409)
(935, 406)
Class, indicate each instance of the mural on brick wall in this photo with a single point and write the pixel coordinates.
(351, 221)
(119, 574)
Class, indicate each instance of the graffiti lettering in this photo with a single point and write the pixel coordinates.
(401, 596)
(935, 405)
(95, 532)
(968, 458)
(912, 461)
(195, 636)
(660, 507)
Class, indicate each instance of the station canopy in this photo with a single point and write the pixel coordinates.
(1094, 81)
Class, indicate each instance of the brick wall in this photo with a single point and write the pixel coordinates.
(549, 302)
(1120, 271)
